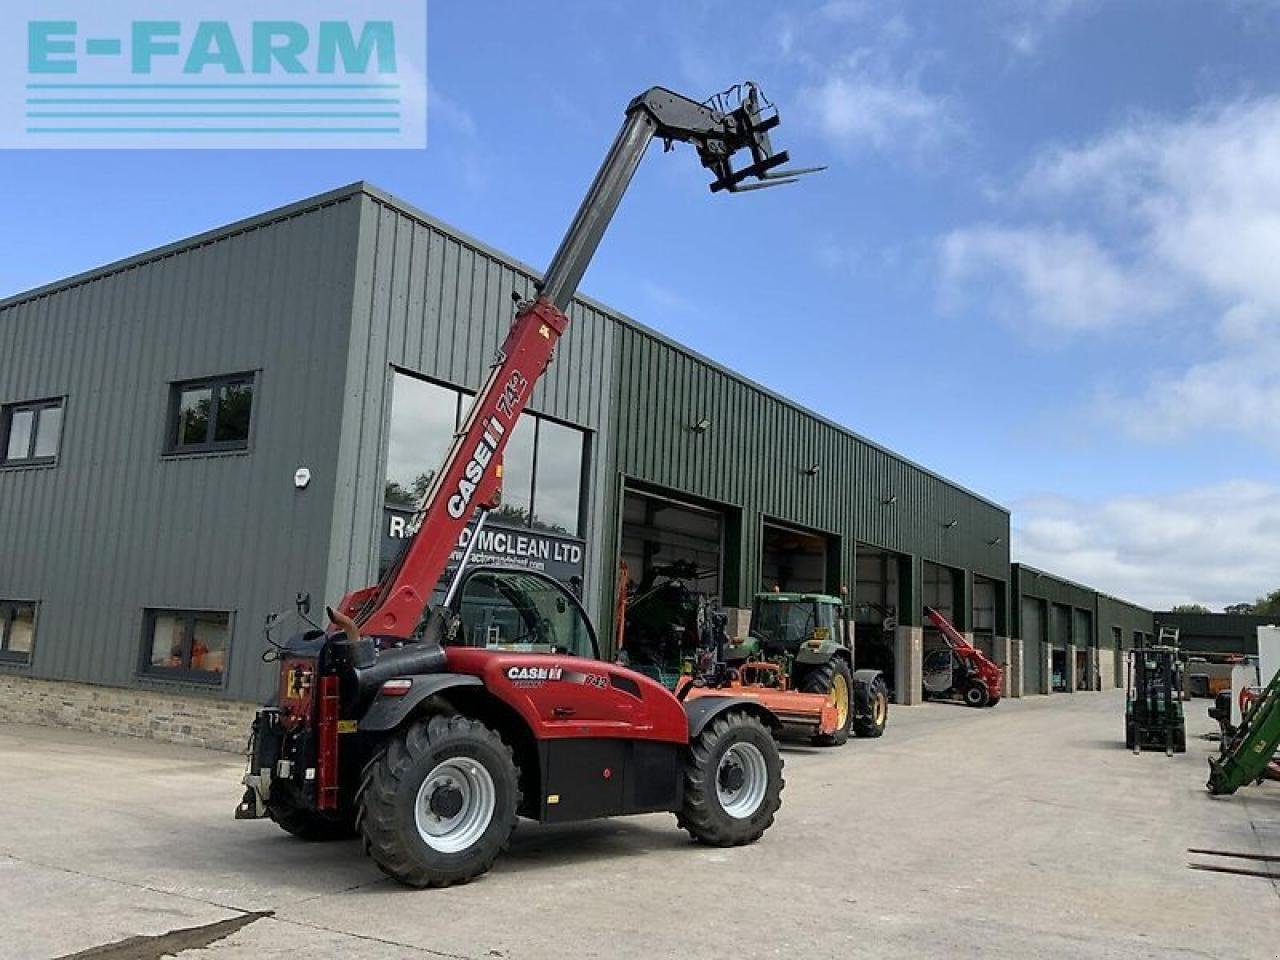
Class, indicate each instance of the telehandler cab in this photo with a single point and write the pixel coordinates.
(429, 730)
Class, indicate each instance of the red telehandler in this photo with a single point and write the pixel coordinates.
(962, 670)
(429, 729)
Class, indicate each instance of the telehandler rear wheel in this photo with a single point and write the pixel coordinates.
(309, 824)
(438, 803)
(976, 695)
(732, 781)
(834, 680)
(873, 724)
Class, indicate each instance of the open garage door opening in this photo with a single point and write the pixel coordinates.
(661, 535)
(940, 589)
(877, 589)
(795, 561)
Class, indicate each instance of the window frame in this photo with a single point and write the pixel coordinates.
(7, 610)
(183, 674)
(37, 407)
(172, 448)
(463, 397)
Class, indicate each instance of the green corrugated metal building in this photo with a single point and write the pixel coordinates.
(196, 434)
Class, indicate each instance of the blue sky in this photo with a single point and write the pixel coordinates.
(1044, 260)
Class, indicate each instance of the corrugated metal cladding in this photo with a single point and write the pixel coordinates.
(439, 304)
(1128, 617)
(1216, 632)
(115, 527)
(1091, 611)
(754, 457)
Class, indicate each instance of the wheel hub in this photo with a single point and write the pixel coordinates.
(446, 801)
(732, 776)
(455, 805)
(742, 780)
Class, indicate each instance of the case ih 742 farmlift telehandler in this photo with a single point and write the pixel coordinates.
(429, 729)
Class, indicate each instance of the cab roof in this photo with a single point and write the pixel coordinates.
(776, 597)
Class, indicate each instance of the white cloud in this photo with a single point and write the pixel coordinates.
(1028, 21)
(859, 107)
(1170, 223)
(866, 88)
(1054, 276)
(1213, 545)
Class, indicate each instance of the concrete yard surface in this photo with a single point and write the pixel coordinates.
(1024, 831)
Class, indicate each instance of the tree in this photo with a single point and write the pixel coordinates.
(1238, 608)
(1190, 608)
(1268, 605)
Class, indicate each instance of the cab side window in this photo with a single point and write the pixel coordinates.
(518, 612)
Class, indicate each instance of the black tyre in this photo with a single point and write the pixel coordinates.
(873, 723)
(732, 781)
(310, 824)
(832, 679)
(976, 695)
(438, 803)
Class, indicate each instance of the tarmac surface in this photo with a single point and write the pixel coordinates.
(1024, 831)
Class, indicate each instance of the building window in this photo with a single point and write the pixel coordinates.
(186, 644)
(17, 630)
(32, 432)
(210, 415)
(542, 466)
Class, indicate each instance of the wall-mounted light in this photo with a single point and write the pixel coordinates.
(949, 524)
(890, 500)
(995, 540)
(702, 426)
(812, 470)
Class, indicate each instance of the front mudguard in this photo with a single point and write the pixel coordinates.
(705, 709)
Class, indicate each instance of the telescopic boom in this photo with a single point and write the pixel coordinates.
(720, 129)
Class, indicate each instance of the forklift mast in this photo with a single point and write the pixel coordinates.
(469, 480)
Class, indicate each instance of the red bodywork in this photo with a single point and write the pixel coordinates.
(471, 477)
(982, 666)
(562, 697)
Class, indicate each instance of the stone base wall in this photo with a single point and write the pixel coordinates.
(1108, 675)
(1046, 669)
(908, 665)
(1071, 668)
(194, 720)
(1007, 653)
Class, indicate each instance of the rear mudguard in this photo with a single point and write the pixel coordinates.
(705, 709)
(862, 681)
(387, 713)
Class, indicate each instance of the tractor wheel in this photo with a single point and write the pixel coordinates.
(873, 724)
(976, 695)
(438, 803)
(732, 781)
(310, 824)
(834, 680)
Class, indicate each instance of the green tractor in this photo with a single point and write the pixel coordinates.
(799, 642)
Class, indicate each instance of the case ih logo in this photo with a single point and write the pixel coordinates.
(533, 676)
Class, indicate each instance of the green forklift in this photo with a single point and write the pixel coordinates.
(1153, 717)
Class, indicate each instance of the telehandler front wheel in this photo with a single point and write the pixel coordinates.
(438, 803)
(834, 680)
(732, 781)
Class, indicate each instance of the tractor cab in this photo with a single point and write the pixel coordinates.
(784, 623)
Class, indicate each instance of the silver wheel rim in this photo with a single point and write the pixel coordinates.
(742, 801)
(479, 800)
